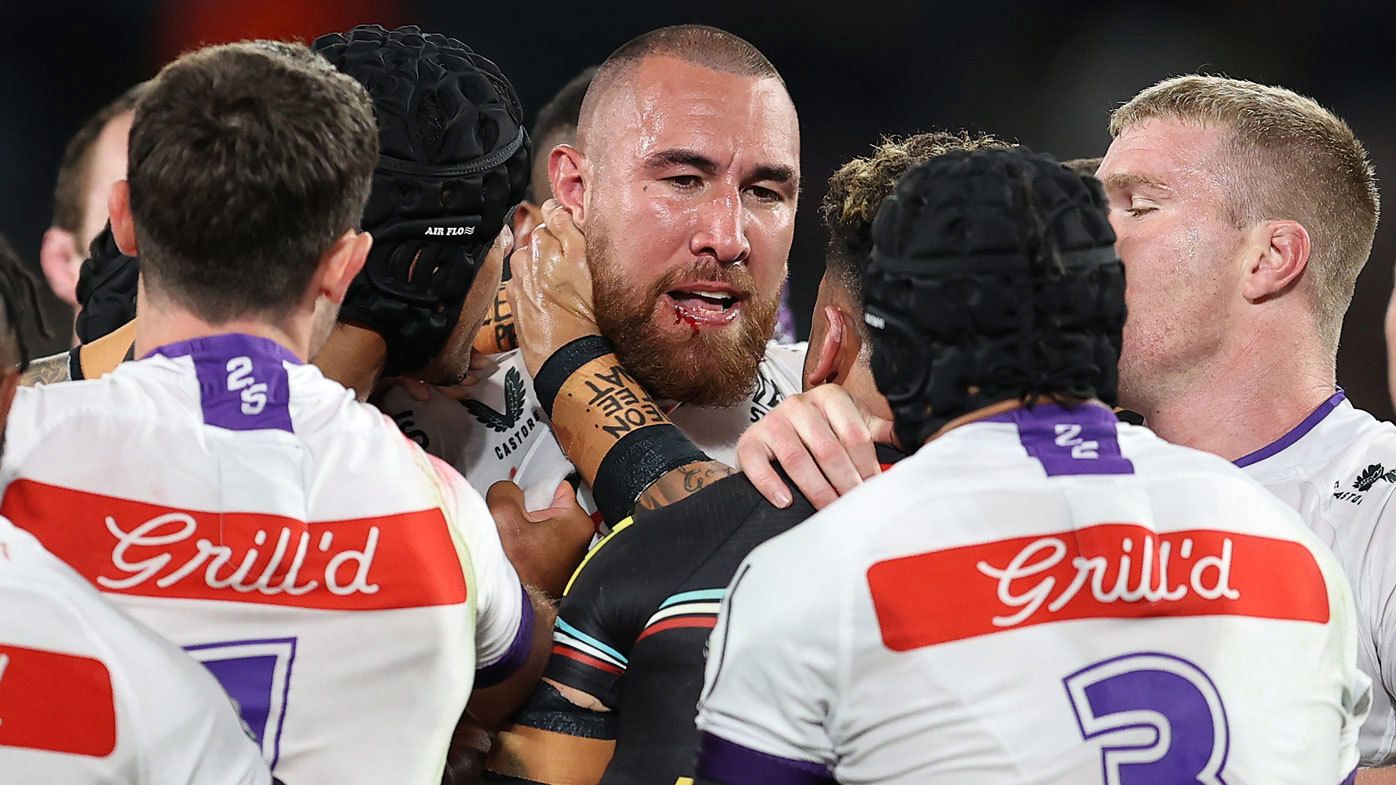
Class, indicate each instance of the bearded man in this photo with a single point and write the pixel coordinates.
(682, 187)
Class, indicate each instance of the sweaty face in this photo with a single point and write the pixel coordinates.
(1177, 239)
(453, 362)
(690, 210)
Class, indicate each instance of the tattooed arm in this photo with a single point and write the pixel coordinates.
(48, 370)
(682, 483)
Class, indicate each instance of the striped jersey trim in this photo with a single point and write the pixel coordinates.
(686, 610)
(591, 662)
(568, 637)
(714, 595)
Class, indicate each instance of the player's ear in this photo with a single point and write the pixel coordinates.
(568, 172)
(60, 261)
(827, 347)
(341, 263)
(1280, 254)
(526, 219)
(123, 227)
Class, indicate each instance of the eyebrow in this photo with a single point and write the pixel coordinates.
(1125, 180)
(777, 173)
(682, 157)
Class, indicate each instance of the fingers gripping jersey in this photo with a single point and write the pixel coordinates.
(88, 695)
(342, 588)
(1336, 469)
(1036, 600)
(501, 433)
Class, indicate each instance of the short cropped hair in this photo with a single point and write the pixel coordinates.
(1290, 159)
(74, 171)
(858, 188)
(247, 162)
(557, 124)
(701, 45)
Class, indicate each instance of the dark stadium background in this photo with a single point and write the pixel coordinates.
(1044, 73)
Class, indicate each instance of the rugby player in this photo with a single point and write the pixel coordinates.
(914, 632)
(627, 666)
(1245, 213)
(682, 182)
(102, 290)
(127, 700)
(94, 158)
(1264, 204)
(348, 591)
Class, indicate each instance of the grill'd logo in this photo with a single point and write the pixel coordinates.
(123, 546)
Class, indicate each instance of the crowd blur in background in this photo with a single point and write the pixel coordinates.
(1045, 74)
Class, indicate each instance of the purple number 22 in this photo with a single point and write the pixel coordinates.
(1159, 717)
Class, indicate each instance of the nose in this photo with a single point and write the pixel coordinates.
(721, 230)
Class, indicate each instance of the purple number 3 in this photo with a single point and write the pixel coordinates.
(1160, 718)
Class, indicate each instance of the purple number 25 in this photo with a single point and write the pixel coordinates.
(1159, 717)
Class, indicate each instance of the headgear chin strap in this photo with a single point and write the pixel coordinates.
(993, 277)
(453, 167)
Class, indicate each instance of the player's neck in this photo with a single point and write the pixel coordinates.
(354, 357)
(1244, 402)
(993, 409)
(163, 323)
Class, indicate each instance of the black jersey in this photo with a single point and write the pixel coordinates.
(633, 627)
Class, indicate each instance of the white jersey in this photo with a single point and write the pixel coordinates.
(87, 695)
(1338, 469)
(502, 433)
(341, 585)
(1042, 597)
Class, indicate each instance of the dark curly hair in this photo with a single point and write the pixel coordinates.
(857, 189)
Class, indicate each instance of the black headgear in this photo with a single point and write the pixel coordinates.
(993, 276)
(453, 166)
(106, 290)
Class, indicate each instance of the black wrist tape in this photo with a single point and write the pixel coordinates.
(563, 363)
(633, 465)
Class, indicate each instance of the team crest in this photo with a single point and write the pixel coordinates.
(1365, 481)
(513, 405)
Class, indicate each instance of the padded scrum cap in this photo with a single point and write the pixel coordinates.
(993, 277)
(453, 166)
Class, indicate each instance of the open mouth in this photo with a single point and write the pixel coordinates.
(705, 305)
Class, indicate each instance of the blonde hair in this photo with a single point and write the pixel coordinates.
(1290, 159)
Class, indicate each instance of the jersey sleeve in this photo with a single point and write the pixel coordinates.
(503, 612)
(772, 670)
(597, 621)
